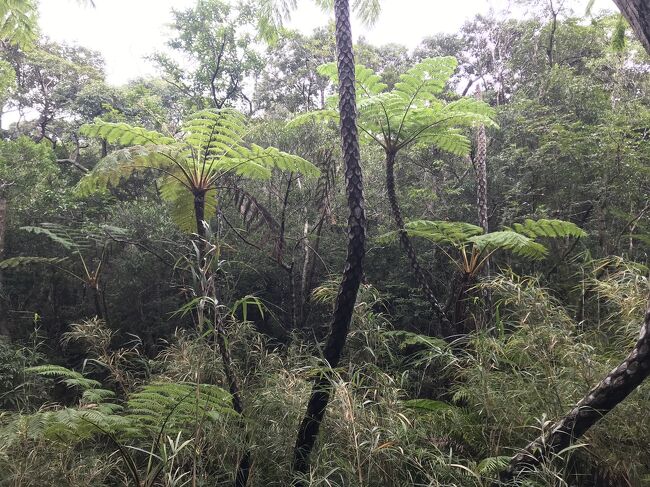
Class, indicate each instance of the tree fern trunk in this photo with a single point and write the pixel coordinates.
(353, 270)
(480, 167)
(637, 13)
(612, 390)
(199, 213)
(408, 247)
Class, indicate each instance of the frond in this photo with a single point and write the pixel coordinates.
(257, 163)
(125, 162)
(442, 232)
(68, 238)
(69, 377)
(515, 242)
(253, 213)
(492, 465)
(214, 133)
(124, 134)
(368, 83)
(425, 80)
(177, 404)
(548, 228)
(367, 10)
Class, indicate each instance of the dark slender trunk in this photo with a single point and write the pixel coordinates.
(3, 229)
(353, 270)
(612, 390)
(637, 13)
(243, 469)
(199, 215)
(420, 276)
(97, 301)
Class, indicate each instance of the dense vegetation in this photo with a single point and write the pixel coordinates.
(288, 260)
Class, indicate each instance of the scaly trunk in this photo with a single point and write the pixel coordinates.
(637, 13)
(353, 270)
(420, 276)
(480, 167)
(612, 390)
(199, 215)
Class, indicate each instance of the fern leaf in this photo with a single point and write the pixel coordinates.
(515, 242)
(124, 134)
(549, 228)
(455, 233)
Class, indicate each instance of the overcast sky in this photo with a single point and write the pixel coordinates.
(125, 31)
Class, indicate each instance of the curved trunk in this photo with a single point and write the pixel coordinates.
(612, 390)
(408, 247)
(353, 270)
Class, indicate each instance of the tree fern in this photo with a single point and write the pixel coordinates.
(212, 146)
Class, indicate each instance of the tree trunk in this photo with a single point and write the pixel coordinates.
(199, 213)
(612, 390)
(480, 167)
(353, 270)
(420, 276)
(637, 13)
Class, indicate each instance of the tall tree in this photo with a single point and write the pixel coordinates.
(353, 270)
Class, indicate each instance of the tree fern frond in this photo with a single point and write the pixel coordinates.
(125, 162)
(69, 239)
(69, 377)
(124, 134)
(515, 242)
(180, 404)
(548, 228)
(253, 213)
(455, 233)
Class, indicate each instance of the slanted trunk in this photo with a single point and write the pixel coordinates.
(405, 241)
(612, 390)
(353, 270)
(637, 13)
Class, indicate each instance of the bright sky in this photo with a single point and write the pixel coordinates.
(125, 31)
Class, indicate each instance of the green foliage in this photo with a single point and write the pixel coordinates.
(177, 405)
(548, 228)
(412, 113)
(18, 23)
(514, 242)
